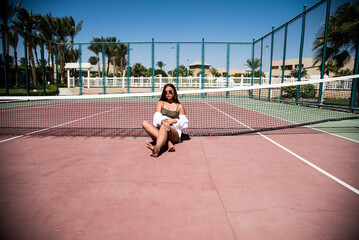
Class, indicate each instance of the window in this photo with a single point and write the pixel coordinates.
(297, 66)
(288, 67)
(275, 67)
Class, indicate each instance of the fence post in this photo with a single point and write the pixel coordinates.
(128, 67)
(26, 70)
(43, 68)
(301, 52)
(80, 69)
(271, 63)
(103, 66)
(178, 60)
(202, 76)
(260, 69)
(153, 65)
(355, 89)
(284, 56)
(320, 95)
(5, 58)
(228, 58)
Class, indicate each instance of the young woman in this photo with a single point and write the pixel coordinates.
(168, 121)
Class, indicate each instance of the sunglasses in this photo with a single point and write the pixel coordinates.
(169, 92)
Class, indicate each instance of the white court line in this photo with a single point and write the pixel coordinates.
(294, 154)
(45, 129)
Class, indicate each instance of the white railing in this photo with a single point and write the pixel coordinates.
(191, 82)
(159, 81)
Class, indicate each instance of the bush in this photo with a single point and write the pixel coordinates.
(305, 91)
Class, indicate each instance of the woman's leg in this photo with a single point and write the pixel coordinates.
(171, 147)
(151, 130)
(161, 136)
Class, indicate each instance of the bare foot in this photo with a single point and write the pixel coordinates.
(155, 150)
(171, 147)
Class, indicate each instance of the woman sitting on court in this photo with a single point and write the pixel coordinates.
(168, 121)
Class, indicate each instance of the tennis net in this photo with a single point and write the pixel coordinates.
(227, 111)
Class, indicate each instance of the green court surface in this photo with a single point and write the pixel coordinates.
(346, 128)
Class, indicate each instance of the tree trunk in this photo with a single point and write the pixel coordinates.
(98, 63)
(114, 66)
(32, 63)
(15, 55)
(6, 56)
(108, 65)
(37, 59)
(121, 66)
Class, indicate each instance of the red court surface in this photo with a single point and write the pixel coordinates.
(234, 187)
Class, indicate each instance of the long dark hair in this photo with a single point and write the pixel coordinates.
(175, 96)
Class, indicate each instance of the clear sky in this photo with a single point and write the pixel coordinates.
(166, 20)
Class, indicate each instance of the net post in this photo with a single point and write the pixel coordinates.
(177, 60)
(320, 95)
(284, 56)
(26, 70)
(228, 58)
(103, 66)
(80, 69)
(271, 63)
(355, 88)
(301, 52)
(128, 67)
(260, 68)
(5, 58)
(57, 68)
(43, 68)
(153, 65)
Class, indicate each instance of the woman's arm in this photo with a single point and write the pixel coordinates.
(182, 122)
(159, 106)
(158, 117)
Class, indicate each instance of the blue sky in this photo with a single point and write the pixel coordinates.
(184, 20)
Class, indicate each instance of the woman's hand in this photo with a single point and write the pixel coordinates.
(167, 123)
(171, 121)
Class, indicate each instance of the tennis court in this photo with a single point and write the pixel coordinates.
(78, 168)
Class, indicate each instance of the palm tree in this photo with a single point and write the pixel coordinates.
(62, 33)
(74, 29)
(97, 49)
(138, 69)
(120, 57)
(7, 12)
(26, 20)
(45, 26)
(330, 67)
(92, 60)
(160, 64)
(214, 72)
(295, 73)
(109, 51)
(256, 64)
(13, 41)
(342, 38)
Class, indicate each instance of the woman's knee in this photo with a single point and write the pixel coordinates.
(146, 124)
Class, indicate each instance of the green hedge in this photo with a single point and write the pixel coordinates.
(37, 91)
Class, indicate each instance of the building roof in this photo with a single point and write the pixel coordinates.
(196, 63)
(84, 66)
